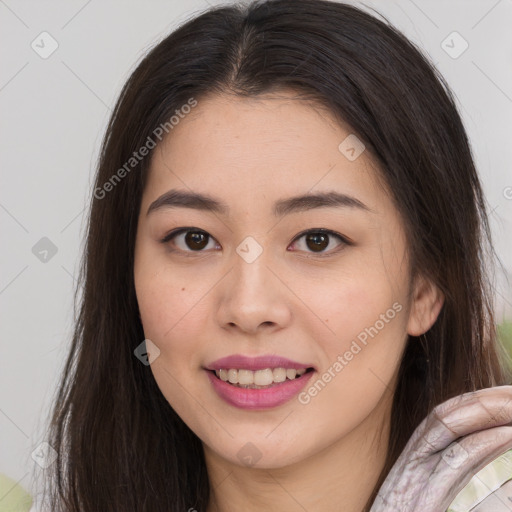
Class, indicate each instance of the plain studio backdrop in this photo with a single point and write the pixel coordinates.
(63, 65)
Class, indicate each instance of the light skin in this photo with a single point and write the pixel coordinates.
(308, 306)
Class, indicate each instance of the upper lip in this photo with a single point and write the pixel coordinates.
(238, 361)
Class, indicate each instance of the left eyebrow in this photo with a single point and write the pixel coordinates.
(195, 200)
(318, 200)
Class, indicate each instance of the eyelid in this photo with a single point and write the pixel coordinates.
(345, 240)
(326, 231)
(178, 231)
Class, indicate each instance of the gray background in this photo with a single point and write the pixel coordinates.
(53, 115)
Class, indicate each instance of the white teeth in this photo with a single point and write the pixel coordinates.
(291, 373)
(233, 376)
(258, 378)
(263, 377)
(246, 377)
(279, 374)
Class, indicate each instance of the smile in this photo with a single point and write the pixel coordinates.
(259, 379)
(256, 383)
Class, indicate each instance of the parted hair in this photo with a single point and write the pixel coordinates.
(120, 445)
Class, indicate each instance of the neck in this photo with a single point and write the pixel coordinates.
(340, 477)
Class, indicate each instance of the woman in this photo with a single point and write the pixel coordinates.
(284, 284)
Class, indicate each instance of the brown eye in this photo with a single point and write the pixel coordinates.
(320, 241)
(317, 241)
(189, 240)
(196, 240)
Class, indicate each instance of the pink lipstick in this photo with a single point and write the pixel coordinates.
(258, 382)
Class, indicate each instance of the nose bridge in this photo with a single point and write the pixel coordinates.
(251, 276)
(251, 295)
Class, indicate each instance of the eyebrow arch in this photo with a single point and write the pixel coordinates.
(197, 201)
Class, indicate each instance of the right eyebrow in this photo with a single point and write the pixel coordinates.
(177, 198)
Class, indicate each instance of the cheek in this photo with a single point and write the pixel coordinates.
(173, 319)
(364, 323)
(357, 301)
(361, 358)
(171, 311)
(166, 293)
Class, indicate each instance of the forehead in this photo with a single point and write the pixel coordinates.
(271, 145)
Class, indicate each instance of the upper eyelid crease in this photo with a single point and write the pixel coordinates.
(179, 231)
(194, 200)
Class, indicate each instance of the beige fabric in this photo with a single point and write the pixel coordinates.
(490, 490)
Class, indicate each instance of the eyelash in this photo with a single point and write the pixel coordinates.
(344, 240)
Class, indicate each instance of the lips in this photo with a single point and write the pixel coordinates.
(257, 382)
(238, 361)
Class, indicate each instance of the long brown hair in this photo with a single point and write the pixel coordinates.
(120, 445)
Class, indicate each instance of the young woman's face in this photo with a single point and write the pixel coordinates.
(273, 283)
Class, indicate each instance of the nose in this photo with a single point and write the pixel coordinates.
(253, 298)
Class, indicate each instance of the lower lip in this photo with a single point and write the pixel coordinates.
(265, 398)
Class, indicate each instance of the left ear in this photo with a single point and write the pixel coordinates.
(427, 301)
